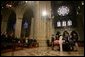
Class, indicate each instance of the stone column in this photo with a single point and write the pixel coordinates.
(4, 23)
(3, 26)
(36, 19)
(19, 16)
(49, 25)
(39, 25)
(32, 27)
(41, 21)
(5, 15)
(18, 26)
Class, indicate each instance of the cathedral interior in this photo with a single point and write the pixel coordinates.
(29, 28)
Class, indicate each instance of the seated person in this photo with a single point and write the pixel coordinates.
(56, 41)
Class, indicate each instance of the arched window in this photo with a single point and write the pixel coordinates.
(25, 25)
(26, 22)
(11, 22)
(63, 23)
(69, 23)
(58, 24)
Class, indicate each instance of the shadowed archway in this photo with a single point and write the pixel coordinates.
(26, 23)
(11, 22)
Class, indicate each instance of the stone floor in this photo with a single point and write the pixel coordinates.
(44, 51)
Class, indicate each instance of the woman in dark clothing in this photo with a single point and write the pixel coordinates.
(66, 44)
(74, 38)
(66, 36)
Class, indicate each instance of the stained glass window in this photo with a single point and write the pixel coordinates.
(25, 25)
(63, 10)
(69, 23)
(63, 23)
(58, 24)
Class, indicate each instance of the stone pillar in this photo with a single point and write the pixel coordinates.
(50, 29)
(5, 15)
(19, 16)
(18, 26)
(49, 25)
(36, 19)
(4, 23)
(40, 22)
(39, 25)
(3, 26)
(32, 27)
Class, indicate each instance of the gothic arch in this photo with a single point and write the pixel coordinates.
(5, 13)
(11, 22)
(27, 18)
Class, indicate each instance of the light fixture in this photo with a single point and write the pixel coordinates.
(79, 7)
(44, 13)
(8, 5)
(26, 1)
(82, 3)
(63, 10)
